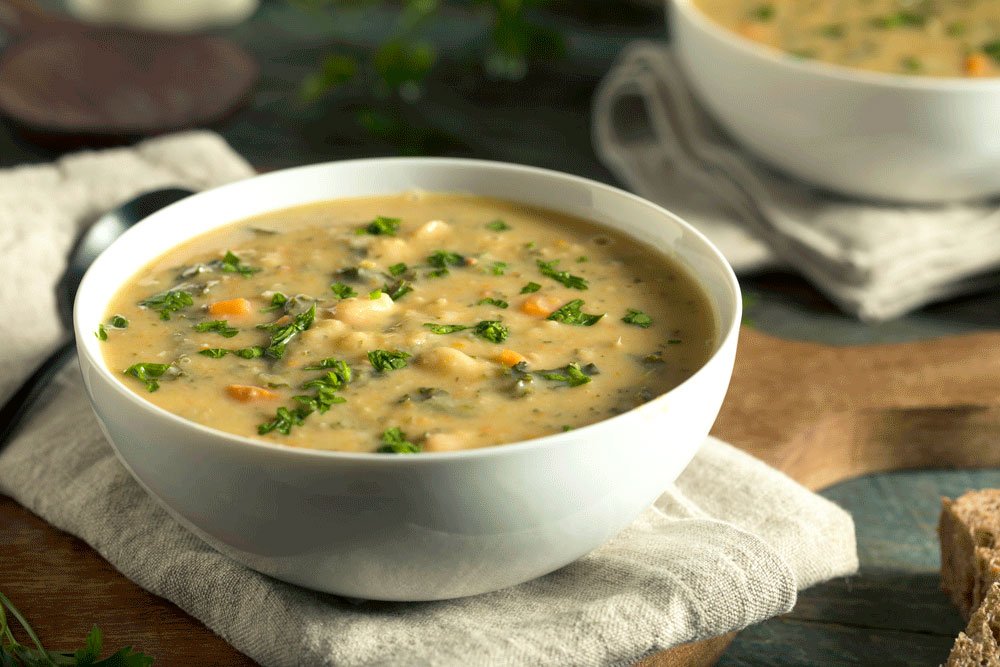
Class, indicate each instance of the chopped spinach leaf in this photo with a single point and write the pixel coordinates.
(168, 302)
(572, 375)
(497, 225)
(252, 352)
(214, 352)
(397, 270)
(530, 287)
(232, 264)
(498, 268)
(388, 360)
(338, 366)
(499, 303)
(638, 318)
(397, 289)
(220, 327)
(492, 330)
(282, 334)
(441, 260)
(380, 226)
(284, 420)
(148, 373)
(278, 301)
(394, 442)
(571, 313)
(343, 291)
(548, 269)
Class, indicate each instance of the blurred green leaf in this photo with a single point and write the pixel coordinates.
(336, 70)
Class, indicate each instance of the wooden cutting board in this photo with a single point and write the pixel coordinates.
(822, 414)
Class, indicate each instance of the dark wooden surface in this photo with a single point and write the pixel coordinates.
(890, 614)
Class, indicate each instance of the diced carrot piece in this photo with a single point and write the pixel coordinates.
(755, 31)
(246, 393)
(238, 306)
(539, 305)
(510, 357)
(977, 64)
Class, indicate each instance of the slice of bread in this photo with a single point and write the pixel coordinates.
(979, 645)
(969, 529)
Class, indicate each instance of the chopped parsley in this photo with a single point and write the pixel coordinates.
(498, 268)
(375, 295)
(492, 330)
(380, 226)
(343, 291)
(101, 333)
(548, 269)
(497, 225)
(168, 302)
(331, 362)
(674, 341)
(388, 360)
(441, 260)
(119, 322)
(499, 303)
(249, 352)
(911, 65)
(397, 289)
(572, 375)
(278, 301)
(530, 287)
(764, 12)
(214, 352)
(571, 313)
(284, 420)
(394, 442)
(638, 318)
(232, 264)
(220, 327)
(832, 30)
(282, 334)
(901, 19)
(397, 270)
(992, 49)
(148, 373)
(325, 396)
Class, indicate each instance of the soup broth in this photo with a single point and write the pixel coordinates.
(408, 323)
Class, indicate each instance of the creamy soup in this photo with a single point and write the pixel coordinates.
(919, 37)
(409, 323)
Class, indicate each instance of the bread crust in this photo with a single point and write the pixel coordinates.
(969, 530)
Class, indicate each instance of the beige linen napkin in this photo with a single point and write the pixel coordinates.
(873, 260)
(726, 546)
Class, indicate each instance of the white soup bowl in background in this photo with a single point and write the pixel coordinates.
(893, 137)
(413, 527)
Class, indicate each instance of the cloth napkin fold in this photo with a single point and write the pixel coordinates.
(726, 546)
(874, 260)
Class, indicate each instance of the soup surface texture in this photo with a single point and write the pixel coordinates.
(950, 38)
(407, 323)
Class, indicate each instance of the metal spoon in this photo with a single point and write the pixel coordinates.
(92, 243)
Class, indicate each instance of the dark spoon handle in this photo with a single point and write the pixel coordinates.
(15, 409)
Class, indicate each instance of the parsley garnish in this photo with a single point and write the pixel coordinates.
(397, 270)
(232, 264)
(571, 313)
(530, 287)
(168, 302)
(15, 654)
(284, 420)
(101, 333)
(398, 289)
(375, 295)
(388, 360)
(832, 30)
(249, 352)
(638, 318)
(499, 303)
(992, 49)
(762, 13)
(901, 19)
(498, 268)
(497, 225)
(278, 300)
(119, 322)
(380, 226)
(220, 327)
(343, 291)
(148, 373)
(394, 442)
(338, 375)
(282, 334)
(911, 64)
(492, 330)
(572, 375)
(339, 366)
(548, 269)
(214, 352)
(441, 260)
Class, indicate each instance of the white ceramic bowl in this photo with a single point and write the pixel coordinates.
(421, 527)
(868, 134)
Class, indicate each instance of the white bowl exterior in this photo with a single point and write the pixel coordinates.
(907, 139)
(416, 527)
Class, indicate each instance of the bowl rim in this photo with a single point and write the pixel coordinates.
(725, 339)
(842, 73)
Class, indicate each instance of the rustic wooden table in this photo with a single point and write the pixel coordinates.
(891, 613)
